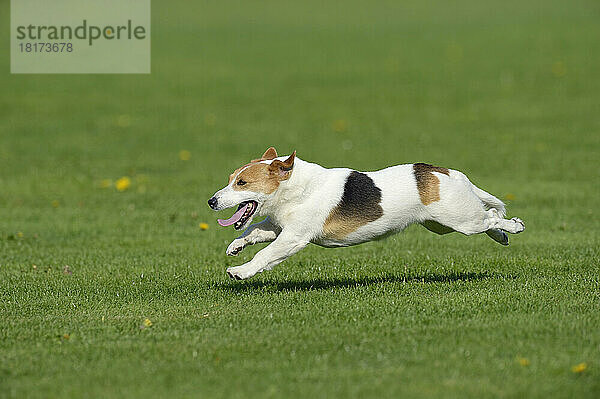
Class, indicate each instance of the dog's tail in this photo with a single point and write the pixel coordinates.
(490, 201)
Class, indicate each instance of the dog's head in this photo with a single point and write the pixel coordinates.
(250, 186)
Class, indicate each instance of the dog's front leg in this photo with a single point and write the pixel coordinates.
(284, 246)
(264, 231)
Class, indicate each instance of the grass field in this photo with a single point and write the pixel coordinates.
(508, 93)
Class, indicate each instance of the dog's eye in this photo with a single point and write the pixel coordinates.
(241, 182)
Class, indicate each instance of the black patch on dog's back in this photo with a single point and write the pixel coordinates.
(360, 204)
(361, 198)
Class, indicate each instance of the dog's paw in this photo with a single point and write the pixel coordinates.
(240, 272)
(519, 225)
(235, 247)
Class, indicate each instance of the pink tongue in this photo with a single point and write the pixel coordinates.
(236, 216)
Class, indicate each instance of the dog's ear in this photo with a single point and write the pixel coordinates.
(267, 156)
(271, 153)
(283, 169)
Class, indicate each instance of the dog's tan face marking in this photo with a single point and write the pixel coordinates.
(427, 183)
(261, 177)
(271, 153)
(360, 204)
(235, 172)
(256, 178)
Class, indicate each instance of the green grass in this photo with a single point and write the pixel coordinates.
(507, 92)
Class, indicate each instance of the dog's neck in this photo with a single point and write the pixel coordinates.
(292, 191)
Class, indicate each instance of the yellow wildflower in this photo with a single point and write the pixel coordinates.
(339, 126)
(55, 204)
(523, 361)
(509, 197)
(185, 155)
(20, 234)
(123, 183)
(146, 323)
(579, 368)
(203, 226)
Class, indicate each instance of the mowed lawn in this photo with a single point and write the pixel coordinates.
(508, 93)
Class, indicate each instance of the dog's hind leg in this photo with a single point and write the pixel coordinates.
(264, 231)
(463, 211)
(437, 228)
(469, 210)
(475, 221)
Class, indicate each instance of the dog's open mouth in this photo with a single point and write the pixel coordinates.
(240, 217)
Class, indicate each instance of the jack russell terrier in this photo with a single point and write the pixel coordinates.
(307, 203)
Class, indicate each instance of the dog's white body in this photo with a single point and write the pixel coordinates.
(323, 206)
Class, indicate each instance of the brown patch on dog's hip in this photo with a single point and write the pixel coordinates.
(360, 204)
(427, 183)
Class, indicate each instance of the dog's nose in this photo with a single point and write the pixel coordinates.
(212, 203)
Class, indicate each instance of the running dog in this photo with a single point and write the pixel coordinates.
(307, 203)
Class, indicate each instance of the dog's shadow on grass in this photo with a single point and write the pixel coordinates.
(352, 282)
